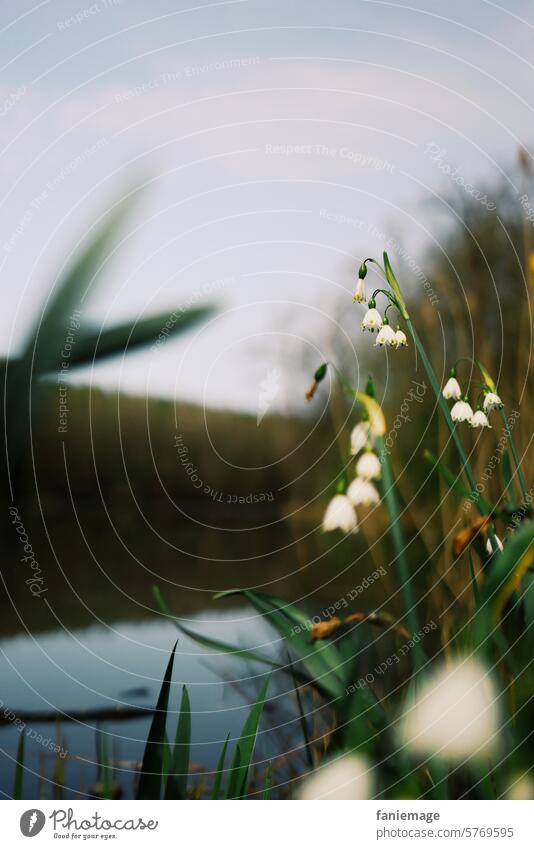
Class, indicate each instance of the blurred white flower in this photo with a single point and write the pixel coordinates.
(400, 339)
(340, 514)
(521, 788)
(489, 547)
(492, 402)
(454, 713)
(386, 336)
(479, 419)
(359, 294)
(368, 466)
(359, 437)
(452, 390)
(372, 320)
(348, 777)
(462, 412)
(364, 492)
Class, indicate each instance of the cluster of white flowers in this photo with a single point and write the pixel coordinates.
(341, 511)
(372, 320)
(386, 336)
(462, 410)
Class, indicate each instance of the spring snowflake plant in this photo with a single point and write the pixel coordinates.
(454, 724)
(461, 710)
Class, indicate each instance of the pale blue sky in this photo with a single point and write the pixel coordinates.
(285, 140)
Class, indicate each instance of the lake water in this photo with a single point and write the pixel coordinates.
(95, 638)
(123, 663)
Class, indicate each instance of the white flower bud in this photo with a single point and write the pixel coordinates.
(359, 294)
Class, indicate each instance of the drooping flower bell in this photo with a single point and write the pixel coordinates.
(462, 411)
(368, 466)
(479, 419)
(362, 491)
(340, 515)
(359, 437)
(400, 338)
(386, 335)
(359, 294)
(372, 319)
(492, 402)
(498, 543)
(451, 390)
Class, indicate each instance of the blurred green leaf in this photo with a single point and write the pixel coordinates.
(320, 658)
(508, 478)
(302, 717)
(45, 344)
(219, 770)
(152, 766)
(505, 576)
(452, 480)
(179, 767)
(238, 774)
(95, 345)
(208, 642)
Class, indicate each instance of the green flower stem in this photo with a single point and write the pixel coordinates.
(466, 466)
(397, 534)
(445, 410)
(399, 544)
(511, 441)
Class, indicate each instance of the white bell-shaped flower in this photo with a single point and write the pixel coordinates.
(359, 294)
(492, 402)
(386, 336)
(451, 390)
(372, 319)
(489, 546)
(454, 714)
(348, 777)
(400, 339)
(479, 419)
(359, 437)
(340, 515)
(462, 412)
(363, 492)
(368, 466)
